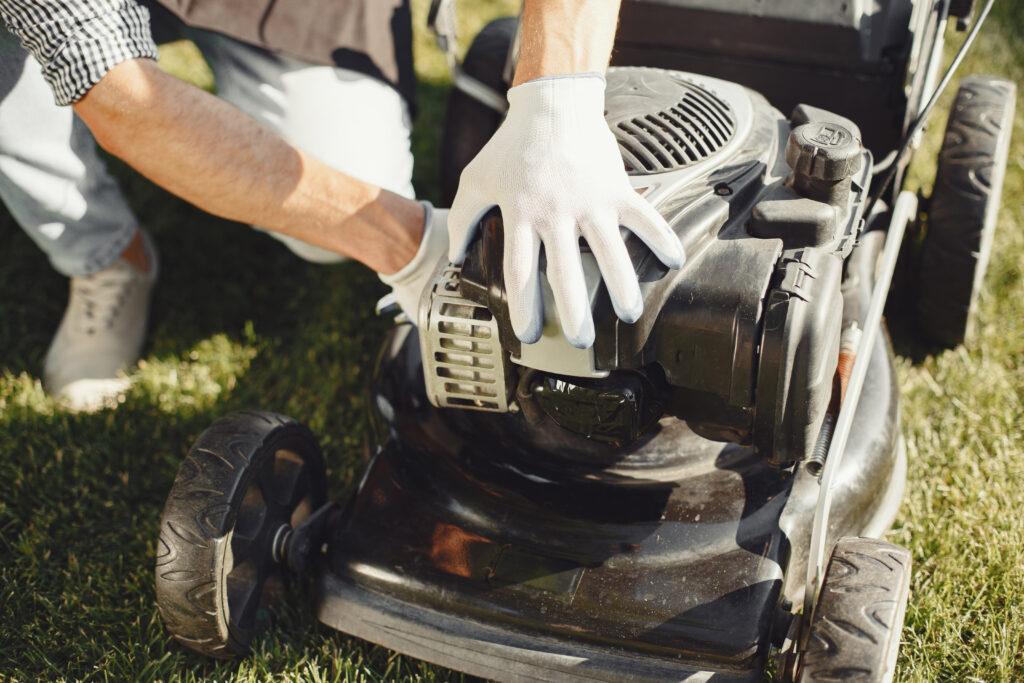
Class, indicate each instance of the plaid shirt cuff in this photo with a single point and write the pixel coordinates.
(78, 41)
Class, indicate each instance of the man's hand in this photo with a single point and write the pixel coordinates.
(554, 170)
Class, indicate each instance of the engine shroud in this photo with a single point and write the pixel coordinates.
(742, 342)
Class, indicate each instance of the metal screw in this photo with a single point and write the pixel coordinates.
(280, 542)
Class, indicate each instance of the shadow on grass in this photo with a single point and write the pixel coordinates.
(237, 322)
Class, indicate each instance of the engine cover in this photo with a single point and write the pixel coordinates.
(665, 121)
(742, 342)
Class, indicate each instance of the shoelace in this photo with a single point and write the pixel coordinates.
(98, 298)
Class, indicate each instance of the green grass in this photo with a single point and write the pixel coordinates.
(239, 322)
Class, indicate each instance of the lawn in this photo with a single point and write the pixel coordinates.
(240, 322)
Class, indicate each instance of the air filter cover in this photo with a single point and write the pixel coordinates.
(664, 121)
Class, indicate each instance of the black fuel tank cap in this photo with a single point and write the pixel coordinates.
(822, 150)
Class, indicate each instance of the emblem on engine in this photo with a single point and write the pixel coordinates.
(830, 136)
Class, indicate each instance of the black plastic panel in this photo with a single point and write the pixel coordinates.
(847, 56)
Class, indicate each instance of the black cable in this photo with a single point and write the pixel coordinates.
(922, 118)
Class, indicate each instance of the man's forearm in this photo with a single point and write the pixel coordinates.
(565, 37)
(212, 155)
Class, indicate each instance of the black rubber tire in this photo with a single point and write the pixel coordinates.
(855, 629)
(964, 205)
(245, 475)
(469, 124)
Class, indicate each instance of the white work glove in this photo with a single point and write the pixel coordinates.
(408, 284)
(554, 170)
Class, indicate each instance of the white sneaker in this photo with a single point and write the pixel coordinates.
(101, 334)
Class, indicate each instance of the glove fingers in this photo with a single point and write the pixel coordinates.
(647, 224)
(522, 282)
(616, 268)
(467, 210)
(568, 285)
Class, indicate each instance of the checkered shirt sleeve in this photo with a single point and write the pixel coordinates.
(78, 41)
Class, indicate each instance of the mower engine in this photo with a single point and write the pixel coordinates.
(742, 343)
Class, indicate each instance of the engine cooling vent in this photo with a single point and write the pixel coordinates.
(663, 122)
(464, 365)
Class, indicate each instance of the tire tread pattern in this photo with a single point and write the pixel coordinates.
(962, 213)
(855, 628)
(198, 516)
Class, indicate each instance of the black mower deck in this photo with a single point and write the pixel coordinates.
(483, 650)
(446, 555)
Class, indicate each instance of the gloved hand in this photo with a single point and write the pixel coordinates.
(554, 170)
(408, 284)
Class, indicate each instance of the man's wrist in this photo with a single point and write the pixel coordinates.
(587, 74)
(406, 229)
(557, 67)
(565, 37)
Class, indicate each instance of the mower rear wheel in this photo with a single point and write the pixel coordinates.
(964, 207)
(248, 481)
(469, 123)
(856, 625)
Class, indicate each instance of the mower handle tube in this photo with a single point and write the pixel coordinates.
(442, 22)
(922, 118)
(904, 211)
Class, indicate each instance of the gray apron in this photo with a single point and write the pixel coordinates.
(373, 37)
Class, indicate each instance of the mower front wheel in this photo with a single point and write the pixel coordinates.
(232, 517)
(856, 625)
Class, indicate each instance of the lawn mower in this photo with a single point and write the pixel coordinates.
(700, 495)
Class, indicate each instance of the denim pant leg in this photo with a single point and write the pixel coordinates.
(52, 179)
(347, 120)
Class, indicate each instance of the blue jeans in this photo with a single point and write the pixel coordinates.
(51, 177)
(58, 189)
